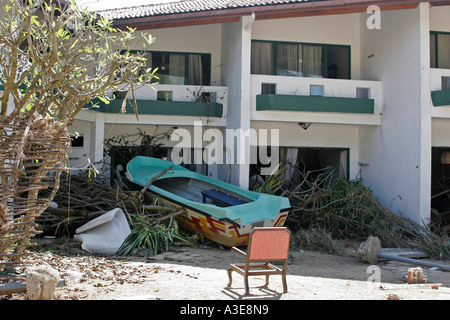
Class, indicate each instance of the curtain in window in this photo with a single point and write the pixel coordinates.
(262, 58)
(444, 51)
(312, 61)
(177, 65)
(288, 60)
(291, 162)
(433, 50)
(343, 165)
(445, 83)
(195, 73)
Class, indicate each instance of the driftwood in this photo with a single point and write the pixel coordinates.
(155, 178)
(170, 216)
(66, 212)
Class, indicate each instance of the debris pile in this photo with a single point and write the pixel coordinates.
(82, 198)
(440, 221)
(348, 210)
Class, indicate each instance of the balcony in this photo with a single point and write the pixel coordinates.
(170, 104)
(440, 93)
(296, 99)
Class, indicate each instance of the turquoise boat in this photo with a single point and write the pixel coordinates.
(222, 212)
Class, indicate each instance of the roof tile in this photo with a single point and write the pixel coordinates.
(186, 6)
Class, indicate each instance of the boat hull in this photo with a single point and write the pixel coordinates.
(220, 211)
(227, 233)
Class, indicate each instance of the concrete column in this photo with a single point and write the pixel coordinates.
(99, 136)
(236, 53)
(425, 116)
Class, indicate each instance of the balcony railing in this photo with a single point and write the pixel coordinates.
(296, 98)
(172, 100)
(440, 95)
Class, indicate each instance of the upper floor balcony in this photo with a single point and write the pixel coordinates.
(170, 104)
(440, 73)
(440, 91)
(309, 99)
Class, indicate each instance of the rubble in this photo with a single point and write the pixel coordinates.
(41, 282)
(368, 250)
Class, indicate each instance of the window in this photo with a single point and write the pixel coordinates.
(300, 60)
(445, 83)
(289, 57)
(164, 95)
(363, 93)
(268, 88)
(181, 68)
(77, 141)
(262, 58)
(313, 160)
(440, 50)
(315, 90)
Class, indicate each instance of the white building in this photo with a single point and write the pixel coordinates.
(346, 85)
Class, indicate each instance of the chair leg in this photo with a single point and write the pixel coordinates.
(267, 279)
(246, 285)
(229, 277)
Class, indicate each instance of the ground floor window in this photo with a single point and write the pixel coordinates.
(311, 159)
(440, 179)
(440, 189)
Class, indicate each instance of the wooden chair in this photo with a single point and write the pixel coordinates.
(264, 246)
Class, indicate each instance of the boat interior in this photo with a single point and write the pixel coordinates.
(200, 191)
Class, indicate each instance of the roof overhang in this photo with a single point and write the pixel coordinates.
(277, 11)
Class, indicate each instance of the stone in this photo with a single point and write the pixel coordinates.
(41, 282)
(368, 250)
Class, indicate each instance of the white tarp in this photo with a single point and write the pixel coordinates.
(104, 234)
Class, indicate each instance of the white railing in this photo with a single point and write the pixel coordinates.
(436, 78)
(183, 93)
(218, 94)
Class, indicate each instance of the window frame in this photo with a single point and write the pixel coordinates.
(436, 48)
(324, 47)
(186, 63)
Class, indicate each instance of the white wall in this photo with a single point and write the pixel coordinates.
(398, 152)
(440, 18)
(441, 132)
(192, 39)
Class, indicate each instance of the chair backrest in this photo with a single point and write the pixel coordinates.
(268, 244)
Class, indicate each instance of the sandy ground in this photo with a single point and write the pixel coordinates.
(200, 274)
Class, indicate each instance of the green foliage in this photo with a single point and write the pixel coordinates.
(155, 239)
(55, 58)
(273, 181)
